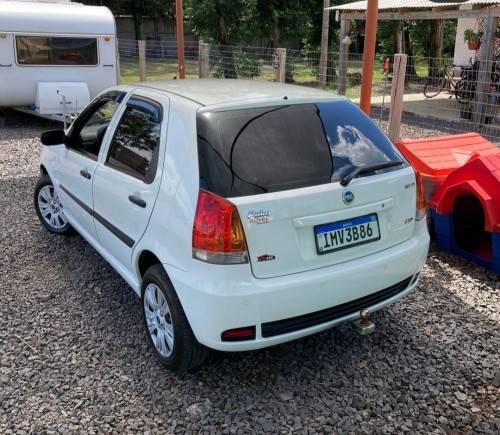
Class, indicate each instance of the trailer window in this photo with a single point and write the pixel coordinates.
(45, 50)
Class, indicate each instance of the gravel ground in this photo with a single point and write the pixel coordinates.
(74, 357)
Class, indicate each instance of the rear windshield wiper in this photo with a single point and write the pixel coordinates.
(370, 168)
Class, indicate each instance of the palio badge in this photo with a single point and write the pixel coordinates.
(259, 217)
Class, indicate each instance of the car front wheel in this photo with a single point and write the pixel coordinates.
(167, 327)
(49, 208)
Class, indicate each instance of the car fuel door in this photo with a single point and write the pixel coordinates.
(126, 185)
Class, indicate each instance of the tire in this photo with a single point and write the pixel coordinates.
(464, 91)
(434, 85)
(166, 324)
(49, 208)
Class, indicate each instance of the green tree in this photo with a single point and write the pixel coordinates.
(433, 39)
(139, 9)
(283, 20)
(223, 22)
(238, 22)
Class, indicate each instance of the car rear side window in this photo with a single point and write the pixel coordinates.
(251, 151)
(134, 149)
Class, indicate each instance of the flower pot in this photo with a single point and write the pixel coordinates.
(474, 45)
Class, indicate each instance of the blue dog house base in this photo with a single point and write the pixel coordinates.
(482, 248)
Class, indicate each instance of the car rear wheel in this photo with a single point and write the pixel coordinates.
(167, 327)
(49, 208)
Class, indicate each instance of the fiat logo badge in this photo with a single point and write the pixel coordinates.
(348, 197)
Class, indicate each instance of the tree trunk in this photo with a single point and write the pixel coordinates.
(398, 36)
(411, 72)
(277, 36)
(137, 19)
(436, 47)
(137, 28)
(225, 51)
(228, 63)
(323, 58)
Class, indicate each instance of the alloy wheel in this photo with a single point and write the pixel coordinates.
(50, 207)
(159, 320)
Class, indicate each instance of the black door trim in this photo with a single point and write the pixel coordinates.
(106, 224)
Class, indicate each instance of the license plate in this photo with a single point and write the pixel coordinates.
(346, 234)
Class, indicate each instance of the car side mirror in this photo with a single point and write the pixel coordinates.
(54, 137)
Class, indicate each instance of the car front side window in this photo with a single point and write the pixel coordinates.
(88, 131)
(134, 148)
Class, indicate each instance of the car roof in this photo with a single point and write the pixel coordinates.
(208, 92)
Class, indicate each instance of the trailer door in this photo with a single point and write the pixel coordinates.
(108, 59)
(7, 66)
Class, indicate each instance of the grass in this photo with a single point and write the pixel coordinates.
(304, 72)
(156, 69)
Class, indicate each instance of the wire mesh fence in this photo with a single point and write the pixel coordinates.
(451, 98)
(161, 60)
(454, 98)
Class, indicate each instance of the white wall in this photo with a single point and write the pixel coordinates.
(462, 52)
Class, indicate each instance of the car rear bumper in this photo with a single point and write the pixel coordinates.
(220, 298)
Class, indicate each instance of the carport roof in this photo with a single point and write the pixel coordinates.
(408, 4)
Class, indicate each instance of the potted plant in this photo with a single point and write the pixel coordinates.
(472, 38)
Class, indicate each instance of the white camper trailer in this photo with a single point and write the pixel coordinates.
(55, 56)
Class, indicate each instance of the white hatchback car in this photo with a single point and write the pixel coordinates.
(243, 213)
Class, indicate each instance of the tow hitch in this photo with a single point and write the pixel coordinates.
(363, 326)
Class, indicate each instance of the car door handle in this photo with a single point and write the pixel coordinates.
(86, 174)
(137, 201)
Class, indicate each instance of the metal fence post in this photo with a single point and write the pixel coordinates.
(397, 93)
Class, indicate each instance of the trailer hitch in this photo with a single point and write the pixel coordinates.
(363, 326)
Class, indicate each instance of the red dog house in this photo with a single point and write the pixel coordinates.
(434, 158)
(466, 211)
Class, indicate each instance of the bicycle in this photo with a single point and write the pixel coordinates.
(466, 89)
(463, 86)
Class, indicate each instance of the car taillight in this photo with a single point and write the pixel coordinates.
(420, 214)
(218, 236)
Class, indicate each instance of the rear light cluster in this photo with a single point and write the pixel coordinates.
(218, 236)
(420, 214)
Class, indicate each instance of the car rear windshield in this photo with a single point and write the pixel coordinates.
(270, 149)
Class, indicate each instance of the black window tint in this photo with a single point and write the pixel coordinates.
(277, 144)
(251, 151)
(88, 130)
(354, 139)
(134, 148)
(264, 150)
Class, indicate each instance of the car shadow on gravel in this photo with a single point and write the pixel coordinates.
(13, 119)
